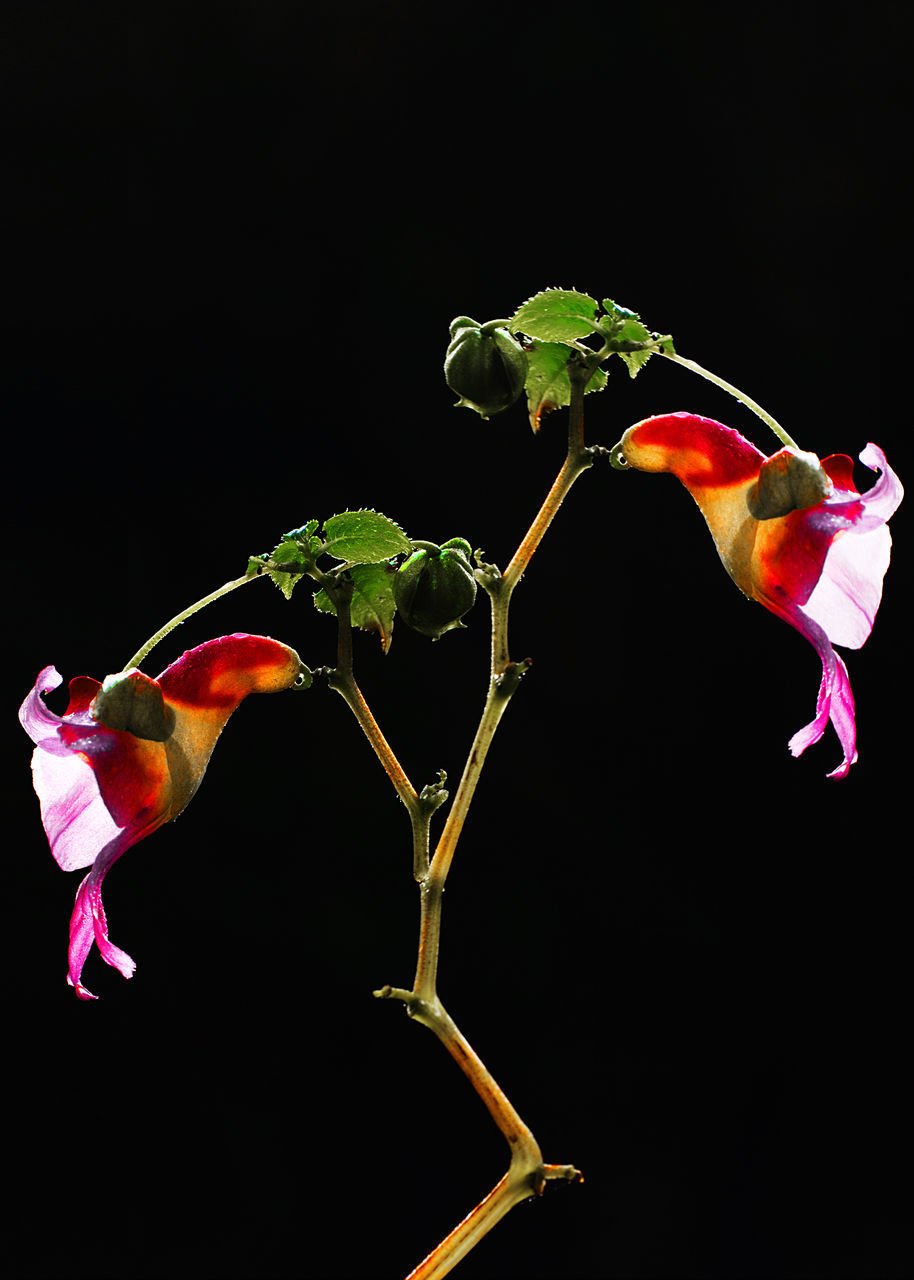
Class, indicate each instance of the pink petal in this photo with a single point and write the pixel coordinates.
(883, 499)
(35, 717)
(89, 924)
(835, 699)
(74, 816)
(846, 598)
(73, 813)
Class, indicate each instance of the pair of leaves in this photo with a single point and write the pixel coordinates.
(364, 542)
(557, 319)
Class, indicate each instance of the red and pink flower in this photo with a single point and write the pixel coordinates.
(128, 755)
(793, 533)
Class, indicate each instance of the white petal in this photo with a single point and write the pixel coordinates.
(847, 595)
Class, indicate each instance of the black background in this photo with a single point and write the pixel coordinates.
(238, 235)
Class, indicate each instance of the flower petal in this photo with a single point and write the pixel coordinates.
(89, 924)
(847, 596)
(835, 700)
(73, 814)
(35, 716)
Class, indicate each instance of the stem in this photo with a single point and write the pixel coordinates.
(504, 678)
(526, 1174)
(577, 460)
(478, 1223)
(150, 644)
(343, 681)
(509, 1191)
(739, 395)
(346, 686)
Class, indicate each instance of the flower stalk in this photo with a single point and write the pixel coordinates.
(146, 649)
(741, 396)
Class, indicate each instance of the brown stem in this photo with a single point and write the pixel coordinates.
(344, 682)
(526, 1174)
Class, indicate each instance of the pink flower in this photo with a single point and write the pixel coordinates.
(128, 755)
(793, 533)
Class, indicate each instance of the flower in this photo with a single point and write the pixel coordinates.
(793, 533)
(128, 755)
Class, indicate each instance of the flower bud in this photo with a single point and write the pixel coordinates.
(484, 365)
(435, 587)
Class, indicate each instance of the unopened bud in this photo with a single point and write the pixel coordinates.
(484, 365)
(435, 587)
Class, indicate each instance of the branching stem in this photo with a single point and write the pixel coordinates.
(527, 1174)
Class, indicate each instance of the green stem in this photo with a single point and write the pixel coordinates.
(344, 682)
(504, 677)
(527, 1175)
(150, 644)
(739, 395)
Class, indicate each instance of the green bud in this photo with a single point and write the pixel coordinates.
(435, 587)
(484, 365)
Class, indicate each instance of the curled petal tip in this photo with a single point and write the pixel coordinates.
(83, 992)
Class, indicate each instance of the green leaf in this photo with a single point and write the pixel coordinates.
(547, 384)
(372, 606)
(556, 315)
(296, 553)
(291, 554)
(323, 603)
(630, 338)
(304, 532)
(364, 537)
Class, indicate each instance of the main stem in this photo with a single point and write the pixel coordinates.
(527, 1174)
(504, 675)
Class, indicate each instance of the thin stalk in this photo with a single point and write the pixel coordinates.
(739, 395)
(346, 686)
(150, 644)
(343, 681)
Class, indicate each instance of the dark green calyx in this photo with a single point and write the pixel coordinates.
(132, 703)
(435, 587)
(484, 365)
(790, 480)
